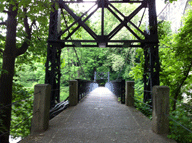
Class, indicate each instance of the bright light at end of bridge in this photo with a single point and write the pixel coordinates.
(102, 45)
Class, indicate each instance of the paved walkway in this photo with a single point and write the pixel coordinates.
(99, 118)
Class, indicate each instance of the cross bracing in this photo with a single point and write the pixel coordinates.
(58, 39)
(101, 40)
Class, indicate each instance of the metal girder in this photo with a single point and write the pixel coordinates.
(100, 40)
(62, 32)
(81, 23)
(149, 43)
(125, 21)
(52, 75)
(151, 66)
(112, 43)
(121, 1)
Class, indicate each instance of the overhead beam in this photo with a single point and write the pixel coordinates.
(102, 4)
(97, 1)
(110, 41)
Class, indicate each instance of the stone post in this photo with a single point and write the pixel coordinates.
(129, 93)
(160, 121)
(41, 107)
(73, 92)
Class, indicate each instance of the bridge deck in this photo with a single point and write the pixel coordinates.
(99, 118)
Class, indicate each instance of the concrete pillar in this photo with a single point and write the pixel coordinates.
(41, 107)
(160, 121)
(129, 93)
(73, 92)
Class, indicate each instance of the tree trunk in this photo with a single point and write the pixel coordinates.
(6, 95)
(6, 79)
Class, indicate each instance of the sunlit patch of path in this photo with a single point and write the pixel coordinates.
(99, 118)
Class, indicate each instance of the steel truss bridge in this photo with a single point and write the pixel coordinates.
(58, 39)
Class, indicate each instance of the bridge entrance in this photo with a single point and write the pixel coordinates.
(60, 38)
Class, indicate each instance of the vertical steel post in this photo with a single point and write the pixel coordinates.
(123, 91)
(52, 65)
(152, 67)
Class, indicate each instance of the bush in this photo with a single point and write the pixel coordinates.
(22, 111)
(182, 115)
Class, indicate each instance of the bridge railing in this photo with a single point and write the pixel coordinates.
(139, 104)
(41, 113)
(78, 89)
(38, 120)
(117, 87)
(84, 87)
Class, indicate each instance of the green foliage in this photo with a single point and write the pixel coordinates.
(170, 1)
(29, 67)
(21, 111)
(182, 115)
(175, 60)
(138, 100)
(28, 75)
(175, 57)
(137, 71)
(64, 93)
(143, 108)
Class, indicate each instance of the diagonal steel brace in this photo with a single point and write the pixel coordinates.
(63, 5)
(126, 20)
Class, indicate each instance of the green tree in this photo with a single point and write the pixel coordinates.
(22, 16)
(175, 60)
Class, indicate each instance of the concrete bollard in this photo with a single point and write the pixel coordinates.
(160, 121)
(73, 92)
(41, 107)
(129, 100)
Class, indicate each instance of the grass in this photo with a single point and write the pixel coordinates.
(64, 93)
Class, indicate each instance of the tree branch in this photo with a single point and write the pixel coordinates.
(5, 11)
(26, 24)
(28, 30)
(33, 23)
(3, 23)
(186, 74)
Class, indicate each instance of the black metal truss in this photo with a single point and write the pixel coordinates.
(101, 40)
(151, 66)
(52, 65)
(149, 43)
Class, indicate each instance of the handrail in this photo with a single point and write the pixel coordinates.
(84, 87)
(118, 88)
